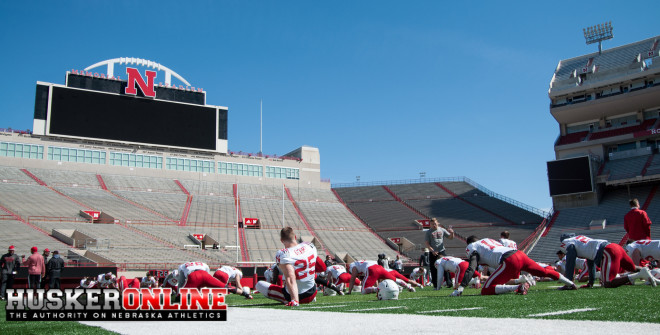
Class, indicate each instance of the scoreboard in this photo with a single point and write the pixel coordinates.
(105, 113)
(570, 176)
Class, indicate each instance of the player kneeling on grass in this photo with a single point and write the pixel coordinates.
(227, 274)
(373, 273)
(296, 262)
(340, 277)
(644, 250)
(611, 257)
(507, 262)
(458, 267)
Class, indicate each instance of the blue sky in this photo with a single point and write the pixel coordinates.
(384, 89)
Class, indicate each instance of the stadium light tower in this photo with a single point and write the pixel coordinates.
(598, 33)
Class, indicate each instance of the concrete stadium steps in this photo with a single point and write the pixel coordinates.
(36, 200)
(117, 235)
(55, 178)
(462, 189)
(24, 237)
(625, 168)
(419, 191)
(506, 210)
(454, 212)
(168, 204)
(199, 187)
(316, 195)
(264, 243)
(109, 204)
(14, 175)
(178, 236)
(367, 193)
(359, 245)
(212, 209)
(613, 207)
(269, 211)
(454, 247)
(260, 191)
(135, 183)
(385, 215)
(327, 215)
(158, 256)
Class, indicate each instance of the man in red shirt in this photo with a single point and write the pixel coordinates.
(637, 223)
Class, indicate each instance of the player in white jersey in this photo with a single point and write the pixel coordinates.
(87, 282)
(419, 274)
(505, 241)
(297, 264)
(171, 280)
(149, 281)
(507, 262)
(648, 250)
(106, 280)
(227, 274)
(271, 274)
(196, 275)
(611, 257)
(374, 273)
(457, 266)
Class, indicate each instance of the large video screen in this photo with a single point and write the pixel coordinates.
(570, 176)
(81, 113)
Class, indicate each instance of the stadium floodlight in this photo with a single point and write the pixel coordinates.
(598, 34)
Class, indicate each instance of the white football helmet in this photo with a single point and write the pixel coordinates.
(388, 290)
(329, 292)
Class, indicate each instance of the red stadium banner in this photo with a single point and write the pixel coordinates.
(251, 222)
(199, 237)
(94, 214)
(396, 240)
(425, 223)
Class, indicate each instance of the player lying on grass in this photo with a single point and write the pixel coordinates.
(457, 267)
(228, 274)
(508, 264)
(611, 257)
(373, 274)
(297, 263)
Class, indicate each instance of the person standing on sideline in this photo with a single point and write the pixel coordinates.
(55, 267)
(46, 279)
(637, 223)
(435, 243)
(9, 263)
(36, 268)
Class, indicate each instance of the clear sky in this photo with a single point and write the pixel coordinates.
(384, 89)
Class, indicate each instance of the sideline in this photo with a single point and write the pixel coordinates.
(279, 320)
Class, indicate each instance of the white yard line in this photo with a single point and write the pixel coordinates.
(375, 309)
(452, 310)
(571, 311)
(329, 306)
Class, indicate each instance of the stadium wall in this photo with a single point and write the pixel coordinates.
(307, 162)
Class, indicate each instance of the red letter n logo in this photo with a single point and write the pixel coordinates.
(135, 77)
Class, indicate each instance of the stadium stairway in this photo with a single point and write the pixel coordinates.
(245, 255)
(304, 220)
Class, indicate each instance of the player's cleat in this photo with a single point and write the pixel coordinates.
(341, 292)
(456, 293)
(411, 289)
(531, 280)
(523, 288)
(646, 273)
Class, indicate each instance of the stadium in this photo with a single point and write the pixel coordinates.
(118, 177)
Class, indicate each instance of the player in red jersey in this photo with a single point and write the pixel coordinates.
(507, 262)
(297, 263)
(373, 273)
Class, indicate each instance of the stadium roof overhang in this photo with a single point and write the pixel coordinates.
(607, 107)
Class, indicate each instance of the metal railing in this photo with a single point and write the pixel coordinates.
(490, 193)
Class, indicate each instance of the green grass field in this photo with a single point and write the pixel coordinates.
(638, 303)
